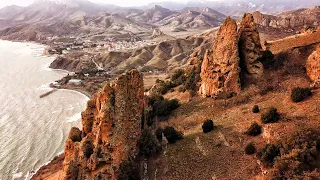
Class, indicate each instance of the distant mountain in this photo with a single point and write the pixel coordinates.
(291, 19)
(152, 15)
(9, 11)
(239, 7)
(194, 18)
(46, 18)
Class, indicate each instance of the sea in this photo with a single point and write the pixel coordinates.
(33, 130)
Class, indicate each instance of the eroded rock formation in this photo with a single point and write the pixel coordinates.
(111, 128)
(250, 49)
(313, 66)
(220, 71)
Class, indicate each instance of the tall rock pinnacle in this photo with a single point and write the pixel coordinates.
(250, 49)
(220, 71)
(111, 128)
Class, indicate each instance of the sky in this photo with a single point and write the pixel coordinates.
(116, 2)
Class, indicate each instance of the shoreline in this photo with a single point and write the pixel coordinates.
(59, 158)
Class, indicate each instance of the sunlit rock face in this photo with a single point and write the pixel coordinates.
(220, 71)
(111, 128)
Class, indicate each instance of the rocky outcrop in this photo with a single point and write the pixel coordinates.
(220, 71)
(313, 66)
(111, 128)
(250, 49)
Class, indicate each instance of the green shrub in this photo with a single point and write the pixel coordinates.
(75, 134)
(267, 59)
(207, 126)
(271, 116)
(164, 107)
(153, 99)
(299, 94)
(159, 133)
(268, 154)
(172, 135)
(192, 79)
(87, 148)
(255, 109)
(178, 77)
(299, 154)
(254, 130)
(129, 170)
(148, 144)
(250, 149)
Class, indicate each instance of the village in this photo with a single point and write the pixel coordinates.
(108, 44)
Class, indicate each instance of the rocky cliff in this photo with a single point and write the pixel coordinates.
(313, 66)
(111, 128)
(250, 49)
(220, 71)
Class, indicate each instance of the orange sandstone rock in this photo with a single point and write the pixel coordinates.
(220, 71)
(111, 129)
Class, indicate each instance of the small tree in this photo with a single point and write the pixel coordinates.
(207, 126)
(271, 116)
(148, 144)
(129, 170)
(254, 129)
(299, 94)
(172, 135)
(250, 149)
(268, 154)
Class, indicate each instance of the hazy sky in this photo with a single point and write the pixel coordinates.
(117, 2)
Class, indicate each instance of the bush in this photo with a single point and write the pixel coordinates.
(268, 154)
(148, 144)
(129, 170)
(255, 109)
(75, 134)
(271, 116)
(163, 108)
(299, 154)
(192, 79)
(250, 149)
(178, 77)
(267, 59)
(254, 130)
(87, 148)
(153, 99)
(207, 126)
(172, 135)
(299, 94)
(159, 133)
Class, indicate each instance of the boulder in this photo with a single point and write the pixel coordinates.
(220, 71)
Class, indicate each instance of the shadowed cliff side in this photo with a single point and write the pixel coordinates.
(111, 128)
(250, 49)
